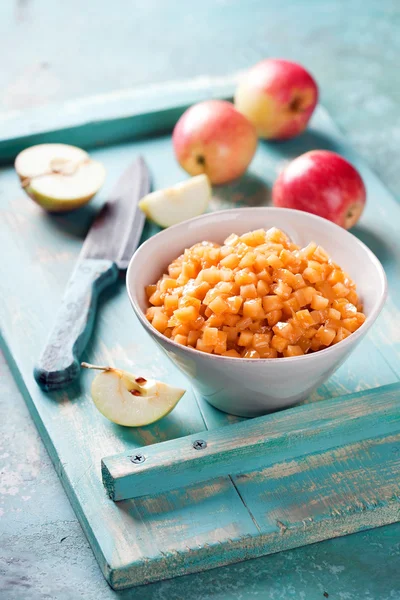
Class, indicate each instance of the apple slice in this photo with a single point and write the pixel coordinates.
(178, 203)
(129, 400)
(59, 177)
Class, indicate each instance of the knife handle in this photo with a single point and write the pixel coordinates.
(59, 363)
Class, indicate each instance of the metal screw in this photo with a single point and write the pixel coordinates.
(199, 444)
(138, 458)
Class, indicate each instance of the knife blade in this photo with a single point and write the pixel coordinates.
(108, 247)
(116, 231)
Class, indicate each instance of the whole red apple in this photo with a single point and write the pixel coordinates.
(322, 183)
(278, 97)
(212, 137)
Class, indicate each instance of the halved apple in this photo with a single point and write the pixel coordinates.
(130, 400)
(59, 177)
(178, 203)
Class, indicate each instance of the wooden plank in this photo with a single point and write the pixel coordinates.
(352, 482)
(108, 118)
(254, 444)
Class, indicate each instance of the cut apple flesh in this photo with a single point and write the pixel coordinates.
(178, 203)
(129, 400)
(59, 177)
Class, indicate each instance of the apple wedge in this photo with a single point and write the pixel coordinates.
(59, 177)
(178, 203)
(130, 400)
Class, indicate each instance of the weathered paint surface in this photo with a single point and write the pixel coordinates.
(255, 444)
(175, 533)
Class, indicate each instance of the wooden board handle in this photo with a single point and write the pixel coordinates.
(254, 444)
(59, 363)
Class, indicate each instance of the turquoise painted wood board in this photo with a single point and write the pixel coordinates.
(255, 444)
(232, 518)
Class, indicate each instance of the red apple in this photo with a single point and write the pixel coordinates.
(212, 137)
(278, 97)
(322, 183)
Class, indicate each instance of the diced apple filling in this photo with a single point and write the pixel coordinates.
(257, 296)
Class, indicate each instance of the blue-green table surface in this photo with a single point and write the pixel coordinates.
(53, 51)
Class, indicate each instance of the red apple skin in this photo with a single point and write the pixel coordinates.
(322, 183)
(212, 137)
(278, 96)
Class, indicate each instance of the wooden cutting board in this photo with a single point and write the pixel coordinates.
(291, 503)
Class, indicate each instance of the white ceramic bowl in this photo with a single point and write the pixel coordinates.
(249, 387)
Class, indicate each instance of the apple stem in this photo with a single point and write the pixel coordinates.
(137, 386)
(86, 365)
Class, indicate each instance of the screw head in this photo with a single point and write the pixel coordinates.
(199, 444)
(137, 458)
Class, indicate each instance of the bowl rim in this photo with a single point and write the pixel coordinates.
(349, 341)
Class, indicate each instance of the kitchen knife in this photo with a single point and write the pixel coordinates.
(108, 247)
